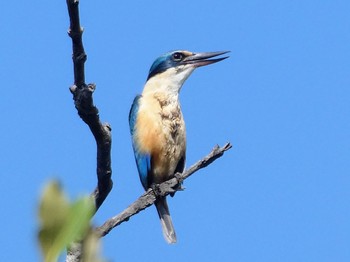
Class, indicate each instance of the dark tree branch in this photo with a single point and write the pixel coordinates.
(148, 198)
(83, 100)
(76, 32)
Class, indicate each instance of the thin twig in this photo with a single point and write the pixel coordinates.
(148, 198)
(83, 101)
(76, 32)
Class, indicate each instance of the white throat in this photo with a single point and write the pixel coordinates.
(169, 81)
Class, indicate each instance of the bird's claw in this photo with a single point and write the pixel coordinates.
(156, 189)
(178, 186)
(164, 189)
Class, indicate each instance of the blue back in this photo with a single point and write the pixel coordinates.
(143, 160)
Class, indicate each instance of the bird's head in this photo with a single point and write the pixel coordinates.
(180, 64)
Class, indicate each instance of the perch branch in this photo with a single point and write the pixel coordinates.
(148, 198)
(83, 101)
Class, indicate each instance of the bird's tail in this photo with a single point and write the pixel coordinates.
(165, 220)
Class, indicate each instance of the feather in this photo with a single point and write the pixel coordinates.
(165, 220)
(143, 160)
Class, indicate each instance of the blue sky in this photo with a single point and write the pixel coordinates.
(282, 99)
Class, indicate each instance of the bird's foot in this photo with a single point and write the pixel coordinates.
(156, 189)
(179, 186)
(162, 189)
(168, 187)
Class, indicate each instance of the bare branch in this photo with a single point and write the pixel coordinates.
(168, 187)
(74, 252)
(83, 100)
(76, 32)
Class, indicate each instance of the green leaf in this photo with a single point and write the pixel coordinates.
(61, 223)
(78, 221)
(53, 212)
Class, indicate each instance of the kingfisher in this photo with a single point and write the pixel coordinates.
(157, 126)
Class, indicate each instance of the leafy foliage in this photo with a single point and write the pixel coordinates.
(62, 222)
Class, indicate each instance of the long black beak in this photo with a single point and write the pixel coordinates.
(202, 59)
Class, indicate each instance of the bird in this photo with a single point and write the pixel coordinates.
(157, 125)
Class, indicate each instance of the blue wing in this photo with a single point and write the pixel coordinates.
(143, 161)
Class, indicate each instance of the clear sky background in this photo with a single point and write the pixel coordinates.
(282, 99)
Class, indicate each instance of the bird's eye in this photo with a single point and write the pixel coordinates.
(177, 56)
